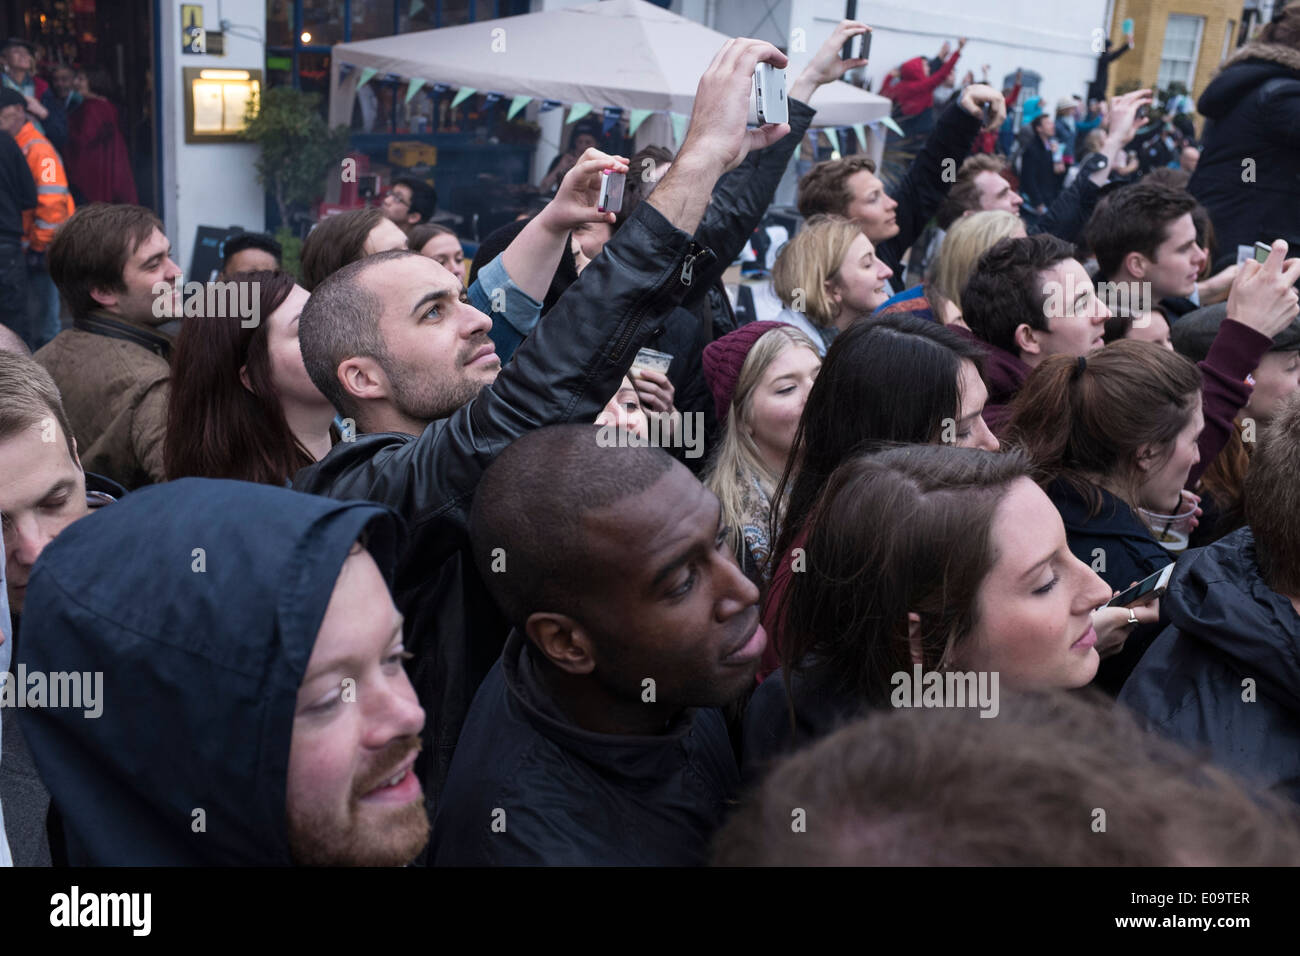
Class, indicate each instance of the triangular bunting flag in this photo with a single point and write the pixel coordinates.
(577, 112)
(888, 123)
(635, 119)
(860, 131)
(679, 121)
(416, 7)
(518, 103)
(462, 94)
(412, 88)
(366, 74)
(833, 137)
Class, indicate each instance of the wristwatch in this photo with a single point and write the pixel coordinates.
(1095, 163)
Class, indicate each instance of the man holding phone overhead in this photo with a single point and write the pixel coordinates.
(428, 467)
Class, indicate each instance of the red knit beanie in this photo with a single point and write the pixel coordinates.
(724, 358)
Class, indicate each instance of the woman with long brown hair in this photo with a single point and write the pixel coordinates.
(242, 405)
(1111, 435)
(929, 558)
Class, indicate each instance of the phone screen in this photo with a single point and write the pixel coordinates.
(1127, 27)
(611, 192)
(1261, 251)
(1140, 590)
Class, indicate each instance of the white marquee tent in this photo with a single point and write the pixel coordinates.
(620, 53)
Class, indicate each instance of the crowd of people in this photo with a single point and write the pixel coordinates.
(558, 560)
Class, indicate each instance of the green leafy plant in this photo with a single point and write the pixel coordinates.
(299, 150)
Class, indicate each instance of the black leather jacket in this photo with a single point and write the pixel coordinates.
(565, 371)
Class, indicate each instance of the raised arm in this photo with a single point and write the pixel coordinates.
(579, 352)
(532, 258)
(742, 196)
(924, 186)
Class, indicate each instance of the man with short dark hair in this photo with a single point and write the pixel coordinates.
(1224, 676)
(394, 336)
(597, 739)
(249, 252)
(112, 264)
(1144, 238)
(1029, 299)
(1042, 168)
(409, 202)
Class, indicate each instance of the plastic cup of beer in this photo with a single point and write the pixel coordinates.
(1170, 531)
(652, 361)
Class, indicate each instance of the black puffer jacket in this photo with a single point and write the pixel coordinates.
(1228, 627)
(1253, 106)
(565, 371)
(530, 787)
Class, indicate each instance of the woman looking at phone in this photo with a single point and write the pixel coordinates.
(950, 559)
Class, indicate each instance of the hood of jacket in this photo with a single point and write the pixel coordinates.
(1244, 72)
(912, 70)
(199, 601)
(1217, 597)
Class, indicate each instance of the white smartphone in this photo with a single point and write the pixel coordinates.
(770, 105)
(1145, 591)
(611, 191)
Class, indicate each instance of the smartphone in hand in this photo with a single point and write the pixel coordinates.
(611, 191)
(770, 104)
(1145, 591)
(856, 48)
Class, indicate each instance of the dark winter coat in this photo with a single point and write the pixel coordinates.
(1253, 109)
(1225, 676)
(530, 787)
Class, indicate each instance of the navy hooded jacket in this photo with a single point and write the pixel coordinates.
(1228, 626)
(201, 669)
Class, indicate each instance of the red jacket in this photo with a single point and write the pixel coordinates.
(987, 140)
(913, 91)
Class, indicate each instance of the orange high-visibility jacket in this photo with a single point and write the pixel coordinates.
(54, 203)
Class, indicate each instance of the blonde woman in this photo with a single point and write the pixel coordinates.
(969, 238)
(760, 376)
(938, 299)
(828, 277)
